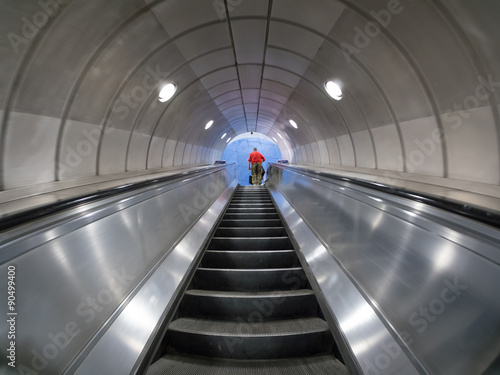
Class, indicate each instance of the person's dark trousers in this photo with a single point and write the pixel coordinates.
(257, 173)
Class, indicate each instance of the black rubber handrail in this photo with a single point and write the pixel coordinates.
(467, 210)
(23, 217)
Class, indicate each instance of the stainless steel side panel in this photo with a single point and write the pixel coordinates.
(430, 277)
(372, 345)
(75, 276)
(120, 347)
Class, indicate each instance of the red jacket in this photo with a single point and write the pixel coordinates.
(256, 157)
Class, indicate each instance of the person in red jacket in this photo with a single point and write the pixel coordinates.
(255, 165)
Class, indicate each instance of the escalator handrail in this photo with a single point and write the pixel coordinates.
(469, 211)
(31, 214)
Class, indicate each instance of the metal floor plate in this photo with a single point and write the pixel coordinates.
(183, 365)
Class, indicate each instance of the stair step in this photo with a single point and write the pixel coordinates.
(179, 364)
(256, 340)
(250, 280)
(256, 198)
(244, 203)
(250, 232)
(250, 259)
(250, 223)
(251, 196)
(249, 210)
(224, 305)
(250, 243)
(250, 215)
(250, 204)
(256, 192)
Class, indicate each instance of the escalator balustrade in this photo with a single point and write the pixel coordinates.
(249, 307)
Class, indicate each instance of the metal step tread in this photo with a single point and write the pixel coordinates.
(247, 220)
(251, 202)
(174, 364)
(250, 228)
(249, 269)
(250, 214)
(250, 223)
(249, 238)
(272, 208)
(253, 295)
(246, 198)
(287, 327)
(249, 198)
(270, 204)
(248, 251)
(263, 252)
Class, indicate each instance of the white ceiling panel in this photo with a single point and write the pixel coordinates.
(267, 117)
(287, 60)
(177, 16)
(204, 40)
(295, 39)
(249, 39)
(220, 76)
(230, 104)
(227, 97)
(280, 75)
(239, 8)
(277, 87)
(251, 108)
(304, 12)
(250, 76)
(212, 62)
(271, 108)
(233, 111)
(237, 122)
(273, 96)
(251, 96)
(225, 87)
(235, 119)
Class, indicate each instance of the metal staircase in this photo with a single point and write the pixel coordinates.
(249, 308)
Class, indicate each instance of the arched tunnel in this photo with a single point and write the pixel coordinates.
(113, 115)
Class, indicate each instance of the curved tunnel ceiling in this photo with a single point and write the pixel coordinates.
(80, 82)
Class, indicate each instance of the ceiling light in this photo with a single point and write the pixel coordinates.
(228, 140)
(293, 123)
(223, 135)
(333, 90)
(279, 135)
(275, 140)
(209, 124)
(167, 92)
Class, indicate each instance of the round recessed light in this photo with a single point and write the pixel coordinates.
(333, 90)
(223, 135)
(209, 124)
(167, 92)
(293, 123)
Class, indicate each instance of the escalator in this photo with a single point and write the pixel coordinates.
(249, 308)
